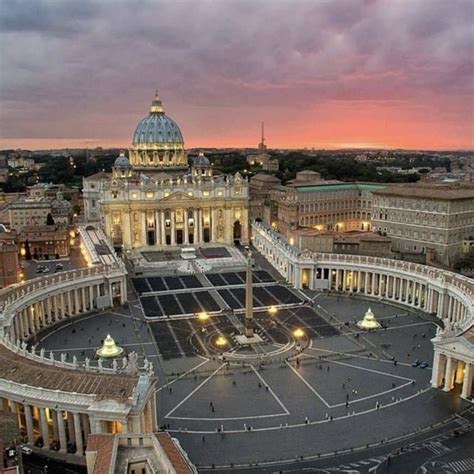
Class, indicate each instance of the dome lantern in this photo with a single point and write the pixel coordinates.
(156, 105)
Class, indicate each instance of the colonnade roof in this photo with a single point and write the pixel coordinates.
(19, 369)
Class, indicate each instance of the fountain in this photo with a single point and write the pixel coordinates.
(369, 321)
(109, 348)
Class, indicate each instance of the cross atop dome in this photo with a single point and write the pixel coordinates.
(156, 105)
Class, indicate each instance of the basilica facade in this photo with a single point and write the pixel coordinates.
(154, 198)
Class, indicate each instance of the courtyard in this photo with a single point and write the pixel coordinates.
(291, 398)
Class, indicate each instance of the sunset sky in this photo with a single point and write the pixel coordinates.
(324, 74)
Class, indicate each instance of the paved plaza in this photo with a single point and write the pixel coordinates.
(290, 399)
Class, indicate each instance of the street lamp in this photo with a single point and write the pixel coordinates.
(221, 341)
(272, 310)
(203, 316)
(298, 333)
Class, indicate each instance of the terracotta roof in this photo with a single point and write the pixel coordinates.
(19, 369)
(264, 177)
(103, 445)
(99, 175)
(175, 456)
(441, 192)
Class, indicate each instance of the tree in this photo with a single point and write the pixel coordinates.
(49, 219)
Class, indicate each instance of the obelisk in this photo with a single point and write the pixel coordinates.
(249, 296)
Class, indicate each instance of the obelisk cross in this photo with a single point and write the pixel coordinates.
(249, 296)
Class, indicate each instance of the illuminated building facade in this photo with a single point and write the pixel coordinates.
(153, 199)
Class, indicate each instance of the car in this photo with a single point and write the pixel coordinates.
(46, 269)
(26, 450)
(59, 266)
(416, 363)
(423, 365)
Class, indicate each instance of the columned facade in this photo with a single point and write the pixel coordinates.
(447, 295)
(61, 409)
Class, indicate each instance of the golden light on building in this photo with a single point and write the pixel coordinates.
(221, 341)
(298, 332)
(22, 251)
(292, 241)
(272, 310)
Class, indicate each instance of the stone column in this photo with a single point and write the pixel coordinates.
(435, 371)
(213, 225)
(62, 431)
(54, 418)
(126, 229)
(359, 275)
(77, 304)
(440, 311)
(91, 297)
(144, 227)
(173, 228)
(70, 427)
(83, 294)
(157, 227)
(26, 322)
(467, 381)
(56, 307)
(69, 304)
(448, 375)
(44, 428)
(201, 226)
(29, 424)
(450, 308)
(186, 227)
(162, 227)
(85, 426)
(63, 305)
(78, 434)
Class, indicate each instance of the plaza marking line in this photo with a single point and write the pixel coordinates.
(350, 354)
(362, 368)
(409, 381)
(270, 390)
(319, 422)
(233, 418)
(307, 384)
(195, 390)
(182, 375)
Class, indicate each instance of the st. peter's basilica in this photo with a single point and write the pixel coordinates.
(154, 198)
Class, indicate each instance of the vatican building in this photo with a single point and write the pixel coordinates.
(155, 199)
(187, 337)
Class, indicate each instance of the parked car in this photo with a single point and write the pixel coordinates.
(26, 450)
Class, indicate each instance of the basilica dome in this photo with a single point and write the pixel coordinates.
(157, 127)
(122, 161)
(157, 141)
